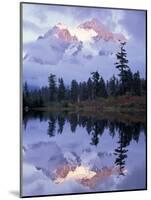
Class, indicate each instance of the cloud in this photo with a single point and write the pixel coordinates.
(42, 15)
(31, 31)
(134, 22)
(45, 51)
(31, 26)
(85, 58)
(135, 180)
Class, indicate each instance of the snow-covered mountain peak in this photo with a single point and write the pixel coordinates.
(102, 32)
(93, 24)
(61, 32)
(91, 39)
(61, 26)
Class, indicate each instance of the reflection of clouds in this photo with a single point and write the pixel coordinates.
(36, 183)
(136, 179)
(46, 156)
(30, 174)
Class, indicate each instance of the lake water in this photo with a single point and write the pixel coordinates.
(72, 153)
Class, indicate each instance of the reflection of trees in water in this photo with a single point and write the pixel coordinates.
(112, 128)
(25, 122)
(120, 152)
(27, 116)
(94, 126)
(97, 130)
(89, 124)
(73, 120)
(83, 121)
(61, 123)
(126, 132)
(52, 125)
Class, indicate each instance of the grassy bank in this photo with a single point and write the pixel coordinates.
(128, 108)
(118, 104)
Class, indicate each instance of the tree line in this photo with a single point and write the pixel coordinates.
(127, 83)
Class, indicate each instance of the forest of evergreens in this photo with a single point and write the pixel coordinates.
(126, 83)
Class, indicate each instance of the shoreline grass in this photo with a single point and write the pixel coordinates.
(128, 108)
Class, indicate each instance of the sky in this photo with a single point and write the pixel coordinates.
(39, 19)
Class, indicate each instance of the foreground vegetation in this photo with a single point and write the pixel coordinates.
(125, 108)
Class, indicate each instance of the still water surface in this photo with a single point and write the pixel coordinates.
(71, 153)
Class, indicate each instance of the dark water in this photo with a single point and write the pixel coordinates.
(71, 153)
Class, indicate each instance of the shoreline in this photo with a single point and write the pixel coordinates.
(130, 108)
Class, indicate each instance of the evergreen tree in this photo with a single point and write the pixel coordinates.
(122, 66)
(40, 99)
(112, 86)
(129, 81)
(61, 90)
(45, 95)
(143, 86)
(102, 92)
(25, 95)
(136, 84)
(83, 91)
(74, 91)
(67, 94)
(96, 84)
(52, 87)
(90, 89)
(26, 90)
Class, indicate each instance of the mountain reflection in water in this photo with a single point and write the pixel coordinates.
(84, 175)
(98, 154)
